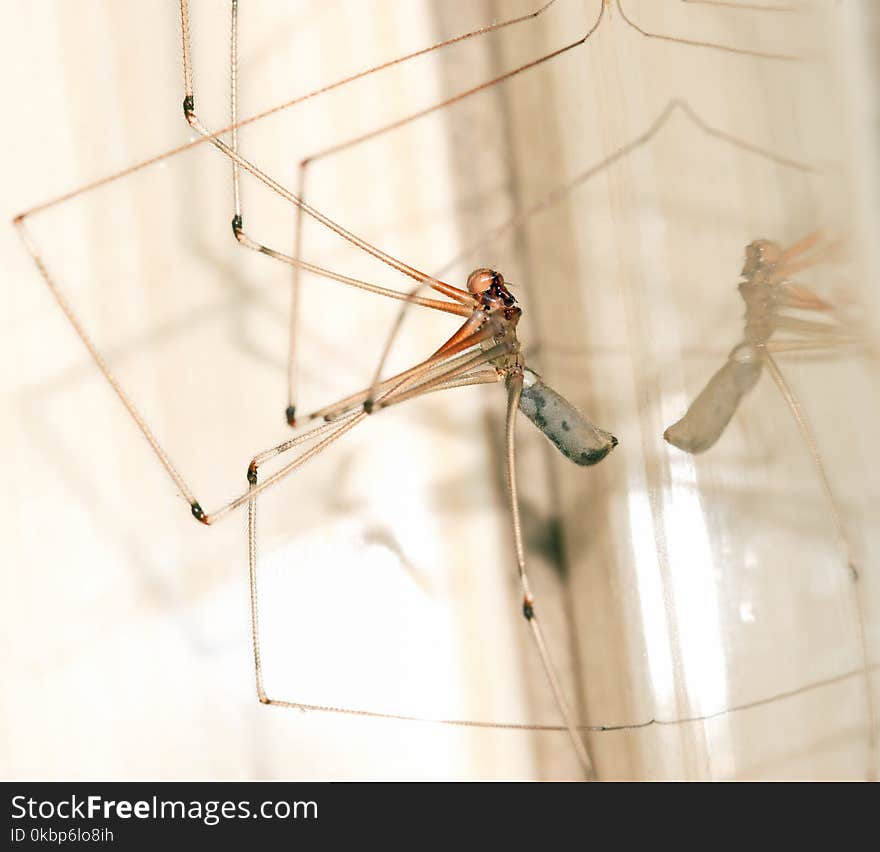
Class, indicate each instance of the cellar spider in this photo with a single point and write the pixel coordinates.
(773, 299)
(364, 379)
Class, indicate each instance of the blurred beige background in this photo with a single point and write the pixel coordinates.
(671, 587)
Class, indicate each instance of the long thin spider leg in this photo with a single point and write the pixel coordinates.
(752, 7)
(479, 377)
(336, 431)
(792, 259)
(435, 304)
(803, 245)
(744, 144)
(736, 708)
(192, 118)
(104, 367)
(428, 372)
(410, 389)
(466, 93)
(254, 597)
(784, 270)
(793, 295)
(423, 372)
(593, 729)
(808, 327)
(813, 345)
(515, 386)
(441, 360)
(760, 54)
(467, 331)
(806, 431)
(293, 318)
(233, 110)
(238, 223)
(342, 426)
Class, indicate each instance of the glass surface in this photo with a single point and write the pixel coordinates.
(699, 607)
